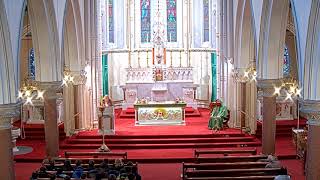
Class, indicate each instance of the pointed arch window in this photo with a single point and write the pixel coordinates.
(286, 62)
(172, 20)
(31, 65)
(145, 20)
(110, 20)
(205, 20)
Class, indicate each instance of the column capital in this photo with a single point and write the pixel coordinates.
(267, 86)
(51, 89)
(310, 109)
(8, 111)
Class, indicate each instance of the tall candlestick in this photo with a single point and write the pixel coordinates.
(170, 37)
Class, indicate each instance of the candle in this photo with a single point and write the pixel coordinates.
(170, 37)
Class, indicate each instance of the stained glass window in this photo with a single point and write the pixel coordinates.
(172, 20)
(286, 62)
(145, 20)
(111, 20)
(205, 20)
(32, 69)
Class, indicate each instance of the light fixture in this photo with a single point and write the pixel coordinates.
(68, 78)
(277, 90)
(248, 74)
(29, 90)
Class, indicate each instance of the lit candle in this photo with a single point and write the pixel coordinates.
(170, 37)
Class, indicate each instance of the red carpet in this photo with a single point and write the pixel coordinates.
(283, 127)
(161, 144)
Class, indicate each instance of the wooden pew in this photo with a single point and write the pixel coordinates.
(251, 158)
(232, 178)
(123, 155)
(197, 153)
(232, 172)
(86, 160)
(231, 165)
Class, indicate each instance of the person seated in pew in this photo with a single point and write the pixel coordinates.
(218, 113)
(283, 175)
(272, 162)
(34, 176)
(90, 165)
(135, 173)
(67, 165)
(78, 171)
(112, 177)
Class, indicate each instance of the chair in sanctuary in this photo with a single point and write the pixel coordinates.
(226, 119)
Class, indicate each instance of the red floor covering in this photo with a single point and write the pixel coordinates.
(194, 125)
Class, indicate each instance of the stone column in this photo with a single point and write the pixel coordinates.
(268, 114)
(311, 110)
(51, 115)
(7, 112)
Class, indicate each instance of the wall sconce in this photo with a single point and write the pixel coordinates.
(67, 77)
(247, 75)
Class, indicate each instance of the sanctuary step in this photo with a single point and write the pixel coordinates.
(118, 142)
(36, 131)
(190, 112)
(283, 127)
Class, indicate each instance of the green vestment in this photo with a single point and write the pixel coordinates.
(218, 114)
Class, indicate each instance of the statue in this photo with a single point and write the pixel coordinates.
(218, 113)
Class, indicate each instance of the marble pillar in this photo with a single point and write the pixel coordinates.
(269, 114)
(311, 110)
(51, 117)
(7, 112)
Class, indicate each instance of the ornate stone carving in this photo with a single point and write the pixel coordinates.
(8, 111)
(310, 109)
(267, 86)
(51, 89)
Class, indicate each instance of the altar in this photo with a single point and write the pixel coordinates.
(160, 113)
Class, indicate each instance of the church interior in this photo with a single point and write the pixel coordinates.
(159, 89)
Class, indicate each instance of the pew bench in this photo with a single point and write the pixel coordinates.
(197, 153)
(232, 172)
(232, 178)
(86, 160)
(123, 155)
(251, 158)
(231, 165)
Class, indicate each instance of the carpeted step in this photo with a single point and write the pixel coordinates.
(162, 136)
(162, 146)
(161, 141)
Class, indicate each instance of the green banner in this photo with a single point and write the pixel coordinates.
(214, 76)
(105, 84)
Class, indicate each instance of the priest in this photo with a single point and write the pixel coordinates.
(218, 113)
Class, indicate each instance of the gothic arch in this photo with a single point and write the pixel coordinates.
(245, 57)
(7, 77)
(272, 37)
(73, 48)
(245, 40)
(312, 64)
(45, 40)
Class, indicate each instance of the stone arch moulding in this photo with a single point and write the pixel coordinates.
(312, 63)
(45, 40)
(7, 78)
(272, 38)
(73, 42)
